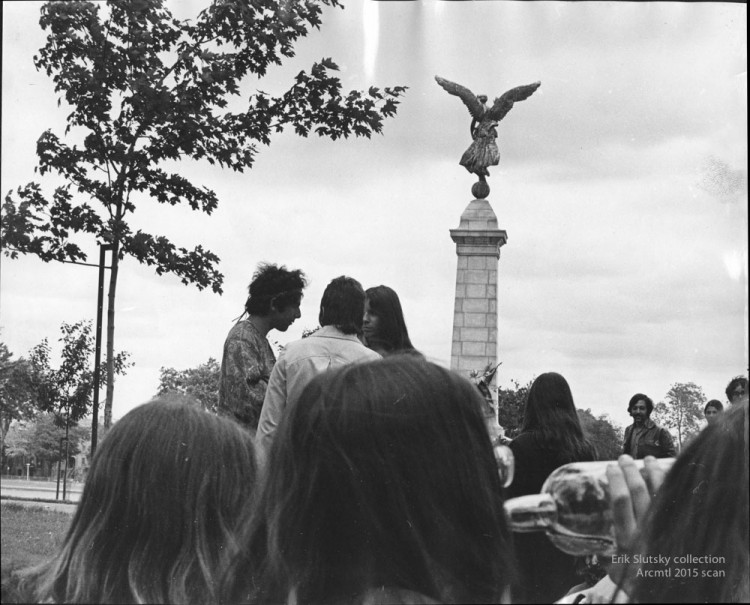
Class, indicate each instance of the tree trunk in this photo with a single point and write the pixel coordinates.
(111, 336)
(4, 427)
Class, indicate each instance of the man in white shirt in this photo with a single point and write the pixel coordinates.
(334, 345)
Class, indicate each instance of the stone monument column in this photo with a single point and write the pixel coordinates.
(478, 241)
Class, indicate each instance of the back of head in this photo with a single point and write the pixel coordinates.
(274, 286)
(158, 513)
(343, 305)
(382, 474)
(392, 333)
(550, 414)
(706, 490)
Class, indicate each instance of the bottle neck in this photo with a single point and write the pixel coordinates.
(531, 513)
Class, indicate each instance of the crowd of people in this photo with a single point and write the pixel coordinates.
(353, 470)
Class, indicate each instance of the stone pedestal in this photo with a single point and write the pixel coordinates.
(478, 241)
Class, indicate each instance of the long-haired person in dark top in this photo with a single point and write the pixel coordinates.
(384, 325)
(157, 516)
(382, 487)
(551, 435)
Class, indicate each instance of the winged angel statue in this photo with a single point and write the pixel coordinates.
(483, 152)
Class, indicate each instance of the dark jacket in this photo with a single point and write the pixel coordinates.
(653, 441)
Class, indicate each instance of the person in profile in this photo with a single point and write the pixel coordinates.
(158, 514)
(551, 435)
(712, 410)
(273, 303)
(644, 437)
(383, 325)
(381, 487)
(335, 344)
(736, 390)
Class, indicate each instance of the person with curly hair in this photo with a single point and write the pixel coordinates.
(736, 390)
(248, 359)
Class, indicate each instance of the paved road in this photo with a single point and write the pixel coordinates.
(35, 489)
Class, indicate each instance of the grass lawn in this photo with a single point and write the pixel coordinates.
(29, 535)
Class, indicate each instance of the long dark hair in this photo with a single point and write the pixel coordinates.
(381, 475)
(702, 509)
(550, 415)
(392, 334)
(157, 517)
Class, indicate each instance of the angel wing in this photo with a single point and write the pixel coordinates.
(476, 109)
(504, 103)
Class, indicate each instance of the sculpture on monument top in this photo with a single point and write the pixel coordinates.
(483, 151)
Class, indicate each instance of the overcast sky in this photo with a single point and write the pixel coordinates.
(622, 186)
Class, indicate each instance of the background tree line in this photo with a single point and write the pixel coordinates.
(681, 411)
(42, 405)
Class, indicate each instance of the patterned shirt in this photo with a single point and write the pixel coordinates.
(245, 369)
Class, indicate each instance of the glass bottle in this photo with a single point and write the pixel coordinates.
(505, 463)
(573, 508)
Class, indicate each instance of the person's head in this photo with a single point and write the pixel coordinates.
(157, 517)
(276, 293)
(640, 407)
(737, 389)
(712, 410)
(382, 474)
(343, 305)
(550, 412)
(383, 324)
(702, 509)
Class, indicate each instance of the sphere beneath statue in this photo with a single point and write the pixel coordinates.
(480, 190)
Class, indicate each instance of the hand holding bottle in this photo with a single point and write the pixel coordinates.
(575, 507)
(630, 495)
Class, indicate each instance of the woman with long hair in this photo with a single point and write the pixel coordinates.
(382, 487)
(551, 435)
(384, 325)
(157, 516)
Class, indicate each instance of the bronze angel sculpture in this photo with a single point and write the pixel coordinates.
(483, 151)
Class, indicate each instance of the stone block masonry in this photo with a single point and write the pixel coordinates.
(478, 242)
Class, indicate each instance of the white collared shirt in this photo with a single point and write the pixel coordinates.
(297, 365)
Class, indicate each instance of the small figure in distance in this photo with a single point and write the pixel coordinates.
(383, 324)
(382, 487)
(158, 514)
(644, 437)
(712, 410)
(737, 390)
(273, 304)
